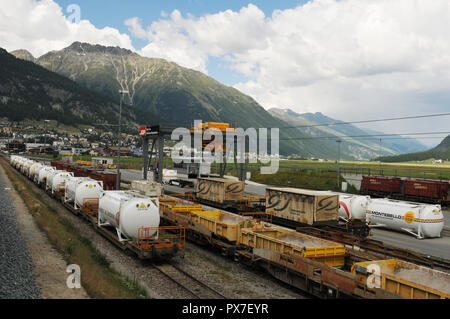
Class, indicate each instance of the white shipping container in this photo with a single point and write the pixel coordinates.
(127, 212)
(420, 220)
(147, 188)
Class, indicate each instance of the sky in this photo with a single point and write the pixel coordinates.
(349, 59)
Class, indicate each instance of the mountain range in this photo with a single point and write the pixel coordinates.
(354, 140)
(28, 90)
(162, 92)
(442, 151)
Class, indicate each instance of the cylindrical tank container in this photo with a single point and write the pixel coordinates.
(43, 174)
(90, 189)
(71, 186)
(36, 173)
(128, 212)
(420, 220)
(79, 189)
(32, 170)
(353, 206)
(58, 181)
(26, 167)
(13, 159)
(19, 163)
(48, 183)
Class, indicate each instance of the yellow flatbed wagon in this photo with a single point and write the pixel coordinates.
(406, 279)
(293, 243)
(222, 224)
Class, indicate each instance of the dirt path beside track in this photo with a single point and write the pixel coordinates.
(49, 266)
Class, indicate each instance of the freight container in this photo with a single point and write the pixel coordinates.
(219, 190)
(404, 279)
(420, 220)
(301, 205)
(108, 179)
(352, 206)
(80, 171)
(128, 212)
(168, 175)
(385, 185)
(71, 186)
(426, 189)
(59, 165)
(44, 174)
(58, 182)
(221, 223)
(290, 242)
(147, 188)
(33, 169)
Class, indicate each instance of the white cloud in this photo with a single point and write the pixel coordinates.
(190, 41)
(349, 59)
(40, 26)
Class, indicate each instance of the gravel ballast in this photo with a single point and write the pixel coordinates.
(16, 267)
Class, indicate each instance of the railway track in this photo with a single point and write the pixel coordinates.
(193, 286)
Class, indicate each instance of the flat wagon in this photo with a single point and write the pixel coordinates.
(405, 279)
(292, 243)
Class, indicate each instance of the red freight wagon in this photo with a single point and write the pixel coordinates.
(378, 184)
(426, 189)
(58, 165)
(108, 179)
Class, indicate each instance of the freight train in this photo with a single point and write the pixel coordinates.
(321, 267)
(425, 191)
(324, 268)
(294, 207)
(289, 207)
(126, 218)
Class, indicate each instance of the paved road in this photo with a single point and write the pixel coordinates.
(446, 213)
(439, 247)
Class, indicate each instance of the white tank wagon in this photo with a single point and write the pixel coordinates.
(14, 159)
(58, 181)
(26, 167)
(43, 174)
(49, 180)
(18, 164)
(353, 206)
(36, 173)
(71, 186)
(33, 169)
(420, 220)
(83, 192)
(127, 212)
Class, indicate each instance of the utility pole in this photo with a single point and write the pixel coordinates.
(338, 163)
(45, 132)
(121, 92)
(379, 161)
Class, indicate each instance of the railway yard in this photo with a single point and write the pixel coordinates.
(214, 242)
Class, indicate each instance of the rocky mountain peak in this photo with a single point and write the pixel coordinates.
(24, 55)
(82, 47)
